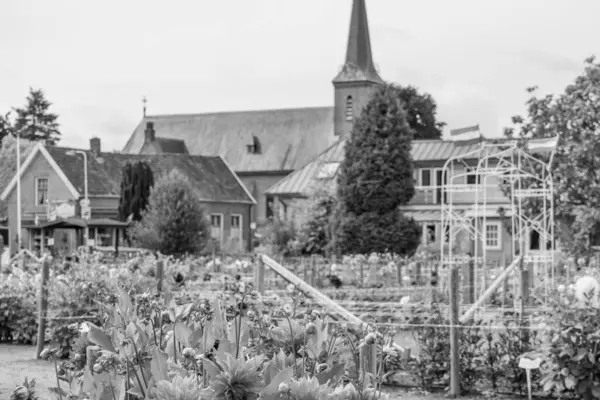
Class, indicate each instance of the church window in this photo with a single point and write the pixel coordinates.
(349, 109)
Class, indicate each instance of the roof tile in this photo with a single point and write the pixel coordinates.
(301, 181)
(209, 176)
(288, 138)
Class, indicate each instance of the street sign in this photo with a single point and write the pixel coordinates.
(86, 212)
(84, 203)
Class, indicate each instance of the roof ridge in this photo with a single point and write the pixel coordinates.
(238, 112)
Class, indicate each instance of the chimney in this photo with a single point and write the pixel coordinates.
(95, 146)
(150, 133)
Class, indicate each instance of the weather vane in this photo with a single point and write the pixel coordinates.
(145, 101)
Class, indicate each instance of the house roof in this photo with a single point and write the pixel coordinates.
(210, 176)
(301, 181)
(287, 138)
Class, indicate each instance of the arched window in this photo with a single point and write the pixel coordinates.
(349, 110)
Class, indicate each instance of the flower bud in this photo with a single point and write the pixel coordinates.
(311, 328)
(370, 338)
(283, 388)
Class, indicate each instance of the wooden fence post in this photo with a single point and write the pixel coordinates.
(259, 276)
(368, 359)
(42, 307)
(160, 271)
(1, 254)
(362, 275)
(454, 333)
(469, 282)
(418, 276)
(399, 272)
(305, 265)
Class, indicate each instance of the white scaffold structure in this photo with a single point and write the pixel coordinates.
(467, 206)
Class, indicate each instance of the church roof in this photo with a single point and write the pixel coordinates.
(359, 65)
(287, 138)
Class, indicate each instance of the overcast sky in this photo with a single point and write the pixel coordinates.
(96, 60)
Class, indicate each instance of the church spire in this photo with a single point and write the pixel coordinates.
(359, 66)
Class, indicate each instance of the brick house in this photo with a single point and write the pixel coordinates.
(429, 157)
(52, 183)
(265, 146)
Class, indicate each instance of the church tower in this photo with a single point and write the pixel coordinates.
(358, 78)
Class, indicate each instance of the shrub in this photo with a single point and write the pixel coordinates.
(279, 237)
(317, 230)
(18, 312)
(433, 362)
(174, 222)
(517, 340)
(574, 351)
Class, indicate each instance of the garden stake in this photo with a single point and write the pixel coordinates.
(43, 307)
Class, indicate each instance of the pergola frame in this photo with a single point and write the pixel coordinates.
(508, 161)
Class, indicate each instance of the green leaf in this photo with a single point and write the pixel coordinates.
(211, 368)
(283, 376)
(331, 375)
(97, 336)
(184, 311)
(158, 366)
(570, 382)
(182, 333)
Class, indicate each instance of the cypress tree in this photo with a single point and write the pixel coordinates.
(136, 182)
(376, 178)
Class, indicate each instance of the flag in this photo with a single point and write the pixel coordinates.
(467, 133)
(544, 145)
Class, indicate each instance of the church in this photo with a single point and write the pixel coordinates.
(264, 147)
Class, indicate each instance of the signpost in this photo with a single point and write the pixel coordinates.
(528, 364)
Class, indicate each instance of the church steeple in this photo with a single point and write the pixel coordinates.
(358, 77)
(359, 66)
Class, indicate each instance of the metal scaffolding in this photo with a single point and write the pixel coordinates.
(467, 209)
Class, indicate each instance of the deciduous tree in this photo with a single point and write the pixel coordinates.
(174, 222)
(573, 116)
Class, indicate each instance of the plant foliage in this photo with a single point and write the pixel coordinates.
(572, 116)
(174, 222)
(376, 178)
(136, 182)
(35, 122)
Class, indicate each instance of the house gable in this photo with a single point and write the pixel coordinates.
(39, 151)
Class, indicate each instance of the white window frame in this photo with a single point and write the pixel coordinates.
(431, 177)
(425, 233)
(241, 236)
(222, 216)
(437, 185)
(498, 224)
(36, 195)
